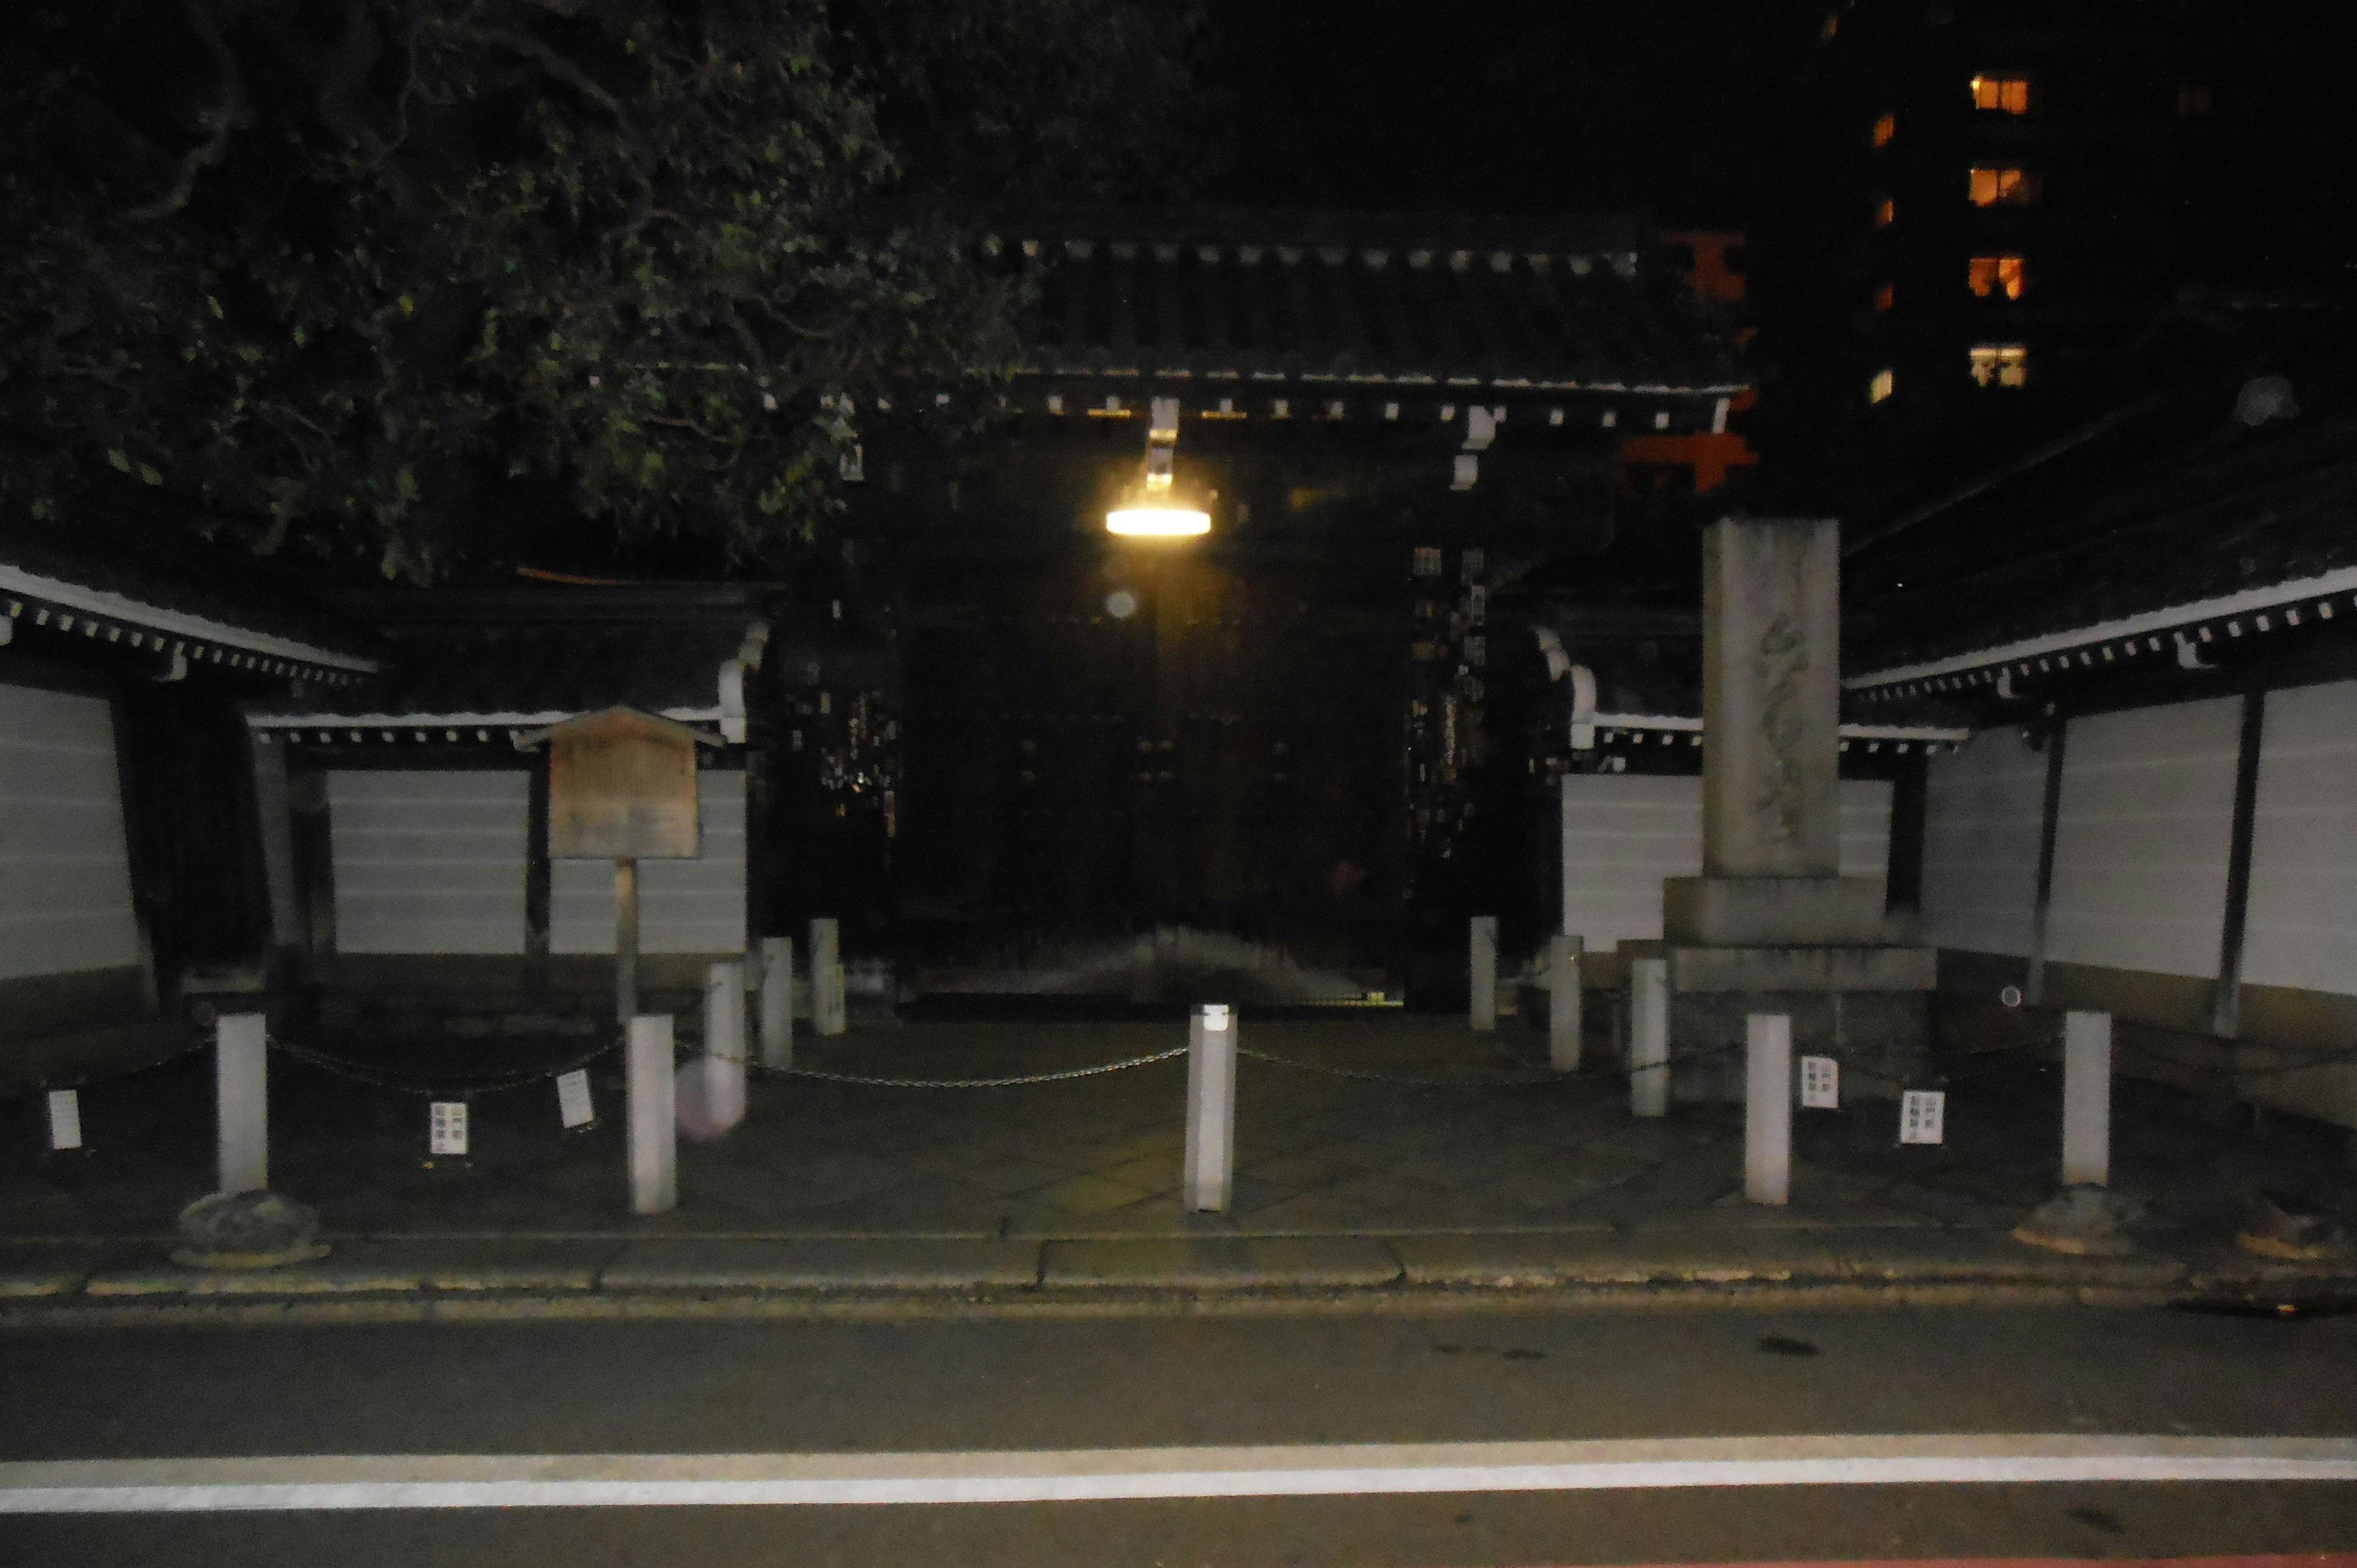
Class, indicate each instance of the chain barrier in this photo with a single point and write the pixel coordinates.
(344, 1069)
(1982, 1065)
(113, 1075)
(978, 1083)
(1533, 1080)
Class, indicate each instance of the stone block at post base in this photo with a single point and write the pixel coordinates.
(1821, 969)
(1778, 911)
(1882, 1040)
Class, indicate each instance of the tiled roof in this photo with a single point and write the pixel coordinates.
(1373, 299)
(506, 659)
(151, 584)
(2224, 523)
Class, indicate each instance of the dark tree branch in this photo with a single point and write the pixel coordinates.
(224, 116)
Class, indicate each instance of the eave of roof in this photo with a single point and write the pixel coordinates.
(2130, 635)
(41, 597)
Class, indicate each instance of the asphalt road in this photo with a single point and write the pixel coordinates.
(684, 1387)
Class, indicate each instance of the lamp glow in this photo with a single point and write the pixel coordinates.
(1157, 521)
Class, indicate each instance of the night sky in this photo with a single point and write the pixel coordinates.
(1515, 106)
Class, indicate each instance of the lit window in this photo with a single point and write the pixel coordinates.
(2003, 188)
(1884, 129)
(1886, 212)
(2005, 94)
(1990, 276)
(2000, 364)
(2192, 100)
(1883, 296)
(1878, 388)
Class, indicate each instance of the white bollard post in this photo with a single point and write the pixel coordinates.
(1564, 954)
(777, 1003)
(1482, 963)
(654, 1134)
(723, 1043)
(1209, 1179)
(1768, 1108)
(828, 1013)
(2086, 1099)
(242, 1098)
(1649, 1036)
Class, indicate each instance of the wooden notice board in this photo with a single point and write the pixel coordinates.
(621, 786)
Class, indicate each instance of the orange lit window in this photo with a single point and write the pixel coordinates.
(2003, 188)
(2192, 100)
(1886, 212)
(1884, 129)
(1880, 387)
(2005, 94)
(1883, 297)
(2000, 364)
(1990, 276)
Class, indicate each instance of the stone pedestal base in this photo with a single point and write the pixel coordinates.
(1750, 911)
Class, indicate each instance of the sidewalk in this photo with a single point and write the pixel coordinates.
(1062, 1196)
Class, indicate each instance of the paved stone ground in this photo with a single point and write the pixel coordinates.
(1317, 1154)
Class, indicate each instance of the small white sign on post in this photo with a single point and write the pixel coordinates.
(573, 1107)
(1922, 1116)
(446, 1127)
(1819, 1083)
(65, 1119)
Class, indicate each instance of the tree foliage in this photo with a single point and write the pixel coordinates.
(413, 281)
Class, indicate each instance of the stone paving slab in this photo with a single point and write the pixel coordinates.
(824, 1263)
(1221, 1262)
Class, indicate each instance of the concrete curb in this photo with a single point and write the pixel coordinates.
(387, 1279)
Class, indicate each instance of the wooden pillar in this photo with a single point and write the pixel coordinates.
(314, 862)
(626, 940)
(274, 816)
(1911, 791)
(2050, 816)
(2227, 1000)
(539, 878)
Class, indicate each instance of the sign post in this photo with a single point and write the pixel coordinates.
(622, 787)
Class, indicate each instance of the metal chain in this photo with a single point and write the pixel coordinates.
(345, 1070)
(1553, 1079)
(91, 1080)
(979, 1082)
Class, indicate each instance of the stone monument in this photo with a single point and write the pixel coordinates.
(1771, 925)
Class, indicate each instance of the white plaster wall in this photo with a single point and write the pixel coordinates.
(428, 861)
(1981, 816)
(2302, 924)
(2141, 838)
(684, 906)
(65, 874)
(1623, 833)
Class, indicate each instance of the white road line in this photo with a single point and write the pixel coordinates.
(652, 1481)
